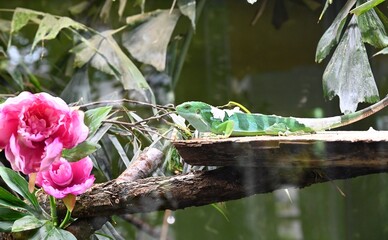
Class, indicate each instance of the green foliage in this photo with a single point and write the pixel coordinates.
(80, 151)
(365, 7)
(187, 8)
(18, 216)
(49, 232)
(141, 42)
(12, 202)
(27, 223)
(333, 34)
(372, 29)
(348, 73)
(19, 185)
(94, 118)
(104, 54)
(9, 214)
(77, 58)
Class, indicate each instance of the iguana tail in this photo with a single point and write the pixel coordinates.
(320, 124)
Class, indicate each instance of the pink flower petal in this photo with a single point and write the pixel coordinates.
(81, 169)
(61, 173)
(52, 152)
(8, 125)
(22, 157)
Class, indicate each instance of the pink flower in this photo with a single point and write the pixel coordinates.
(34, 128)
(63, 177)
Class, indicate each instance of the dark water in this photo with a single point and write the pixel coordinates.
(272, 70)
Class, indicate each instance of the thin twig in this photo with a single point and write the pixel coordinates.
(134, 124)
(259, 12)
(172, 6)
(165, 226)
(120, 101)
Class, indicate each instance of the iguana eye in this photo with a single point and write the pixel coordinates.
(187, 106)
(198, 111)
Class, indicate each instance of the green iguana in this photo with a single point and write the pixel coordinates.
(206, 118)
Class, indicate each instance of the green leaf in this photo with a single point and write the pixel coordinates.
(383, 51)
(94, 118)
(57, 233)
(27, 223)
(221, 209)
(366, 7)
(348, 73)
(187, 8)
(49, 232)
(50, 26)
(332, 35)
(120, 150)
(21, 17)
(7, 214)
(80, 151)
(372, 29)
(19, 185)
(148, 42)
(8, 199)
(383, 18)
(6, 226)
(104, 54)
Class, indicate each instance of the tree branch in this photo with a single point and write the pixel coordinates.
(201, 188)
(253, 166)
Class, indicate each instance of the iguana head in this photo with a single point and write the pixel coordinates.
(198, 114)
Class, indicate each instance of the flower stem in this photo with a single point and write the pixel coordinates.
(53, 209)
(66, 219)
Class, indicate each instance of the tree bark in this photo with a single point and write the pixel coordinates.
(253, 165)
(201, 188)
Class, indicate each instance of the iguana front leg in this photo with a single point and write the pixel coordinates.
(225, 128)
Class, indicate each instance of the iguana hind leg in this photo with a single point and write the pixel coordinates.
(277, 129)
(226, 128)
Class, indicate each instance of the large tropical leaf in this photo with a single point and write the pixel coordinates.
(49, 25)
(372, 29)
(348, 73)
(187, 8)
(21, 17)
(148, 42)
(104, 54)
(333, 34)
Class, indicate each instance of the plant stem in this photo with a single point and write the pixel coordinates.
(66, 219)
(53, 209)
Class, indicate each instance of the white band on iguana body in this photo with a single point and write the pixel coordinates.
(220, 114)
